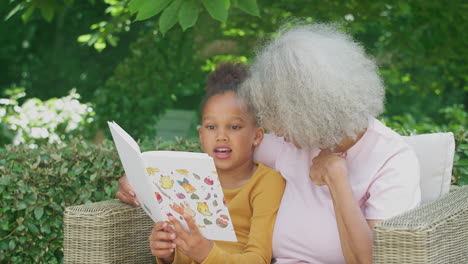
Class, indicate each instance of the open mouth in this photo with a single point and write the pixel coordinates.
(222, 152)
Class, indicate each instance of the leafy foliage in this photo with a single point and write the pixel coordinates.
(456, 121)
(37, 184)
(151, 80)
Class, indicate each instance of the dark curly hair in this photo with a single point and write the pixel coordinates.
(226, 78)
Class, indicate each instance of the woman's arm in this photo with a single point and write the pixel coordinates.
(354, 230)
(394, 190)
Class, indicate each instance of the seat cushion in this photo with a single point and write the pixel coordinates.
(435, 154)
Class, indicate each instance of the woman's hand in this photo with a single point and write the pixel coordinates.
(193, 244)
(161, 242)
(125, 192)
(328, 168)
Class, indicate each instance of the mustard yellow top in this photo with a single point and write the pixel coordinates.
(253, 209)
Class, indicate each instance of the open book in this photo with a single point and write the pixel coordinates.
(176, 183)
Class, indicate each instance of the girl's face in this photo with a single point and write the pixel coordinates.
(228, 132)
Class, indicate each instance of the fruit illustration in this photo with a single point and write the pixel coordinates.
(183, 172)
(207, 222)
(194, 196)
(204, 209)
(222, 221)
(208, 180)
(152, 171)
(158, 197)
(196, 176)
(166, 182)
(187, 186)
(180, 195)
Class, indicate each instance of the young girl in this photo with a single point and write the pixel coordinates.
(252, 191)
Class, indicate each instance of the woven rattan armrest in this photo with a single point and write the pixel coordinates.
(436, 232)
(113, 232)
(106, 232)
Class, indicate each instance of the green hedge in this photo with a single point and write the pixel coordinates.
(37, 184)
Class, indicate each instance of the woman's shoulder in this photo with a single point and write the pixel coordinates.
(387, 136)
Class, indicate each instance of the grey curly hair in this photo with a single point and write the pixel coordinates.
(314, 85)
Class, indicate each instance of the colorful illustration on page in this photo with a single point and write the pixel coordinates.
(182, 191)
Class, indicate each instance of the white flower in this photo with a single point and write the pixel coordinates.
(349, 17)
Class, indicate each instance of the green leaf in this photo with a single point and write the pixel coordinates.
(14, 11)
(84, 38)
(45, 229)
(12, 244)
(47, 12)
(188, 14)
(169, 17)
(38, 212)
(218, 9)
(135, 5)
(148, 8)
(249, 6)
(33, 228)
(462, 162)
(21, 205)
(28, 13)
(99, 45)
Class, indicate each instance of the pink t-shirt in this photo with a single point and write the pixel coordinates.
(384, 175)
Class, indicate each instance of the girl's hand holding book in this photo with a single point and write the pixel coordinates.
(193, 244)
(161, 242)
(125, 193)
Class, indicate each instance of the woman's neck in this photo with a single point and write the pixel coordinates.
(237, 177)
(348, 143)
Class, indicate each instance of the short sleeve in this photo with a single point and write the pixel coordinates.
(267, 151)
(395, 189)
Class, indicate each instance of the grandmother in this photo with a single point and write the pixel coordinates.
(316, 89)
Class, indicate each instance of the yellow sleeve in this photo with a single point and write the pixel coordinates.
(179, 258)
(265, 197)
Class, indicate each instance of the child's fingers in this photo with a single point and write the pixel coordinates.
(162, 245)
(180, 244)
(159, 226)
(165, 253)
(179, 229)
(192, 225)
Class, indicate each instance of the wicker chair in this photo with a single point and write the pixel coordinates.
(436, 232)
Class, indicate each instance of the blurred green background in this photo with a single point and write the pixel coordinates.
(69, 66)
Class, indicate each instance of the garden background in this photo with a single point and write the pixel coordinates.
(69, 66)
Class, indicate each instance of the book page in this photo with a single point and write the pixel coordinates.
(130, 155)
(187, 183)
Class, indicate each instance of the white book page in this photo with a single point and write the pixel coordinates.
(185, 182)
(130, 155)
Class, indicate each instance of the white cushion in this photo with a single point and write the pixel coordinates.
(435, 154)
